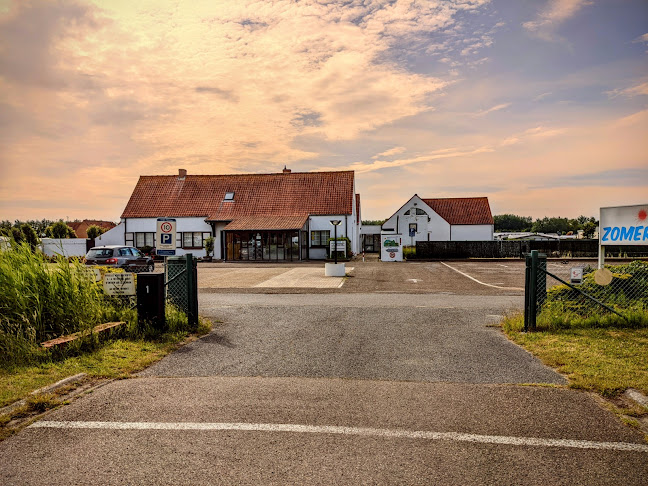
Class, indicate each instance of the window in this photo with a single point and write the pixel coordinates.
(229, 196)
(417, 211)
(144, 239)
(320, 238)
(192, 240)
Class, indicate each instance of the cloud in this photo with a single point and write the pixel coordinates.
(492, 109)
(642, 38)
(620, 177)
(390, 152)
(637, 90)
(552, 16)
(538, 132)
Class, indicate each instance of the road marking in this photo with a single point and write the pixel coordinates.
(338, 430)
(413, 280)
(482, 283)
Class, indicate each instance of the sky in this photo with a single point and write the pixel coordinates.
(540, 105)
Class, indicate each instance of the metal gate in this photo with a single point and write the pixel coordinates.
(181, 283)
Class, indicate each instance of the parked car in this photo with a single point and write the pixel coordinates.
(126, 257)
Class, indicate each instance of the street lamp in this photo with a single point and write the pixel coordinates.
(335, 223)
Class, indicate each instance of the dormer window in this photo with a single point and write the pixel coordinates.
(229, 196)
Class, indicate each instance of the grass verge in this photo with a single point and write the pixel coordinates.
(603, 360)
(114, 359)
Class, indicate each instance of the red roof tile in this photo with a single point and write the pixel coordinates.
(267, 223)
(462, 210)
(282, 194)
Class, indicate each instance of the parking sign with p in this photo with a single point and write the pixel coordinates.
(166, 236)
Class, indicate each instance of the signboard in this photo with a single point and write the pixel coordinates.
(622, 225)
(391, 248)
(166, 236)
(341, 246)
(119, 284)
(576, 275)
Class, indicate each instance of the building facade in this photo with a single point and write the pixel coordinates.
(442, 219)
(283, 216)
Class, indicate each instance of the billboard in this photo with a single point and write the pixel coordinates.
(624, 225)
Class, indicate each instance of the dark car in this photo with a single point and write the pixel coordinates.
(126, 257)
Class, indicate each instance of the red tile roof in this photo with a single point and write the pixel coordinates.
(267, 223)
(462, 210)
(81, 227)
(282, 194)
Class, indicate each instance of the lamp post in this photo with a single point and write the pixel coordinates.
(335, 223)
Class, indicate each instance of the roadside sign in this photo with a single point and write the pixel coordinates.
(391, 248)
(119, 284)
(166, 236)
(337, 246)
(576, 275)
(412, 231)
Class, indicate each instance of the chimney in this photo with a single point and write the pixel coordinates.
(286, 171)
(182, 173)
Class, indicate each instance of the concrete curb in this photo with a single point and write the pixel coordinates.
(637, 397)
(46, 389)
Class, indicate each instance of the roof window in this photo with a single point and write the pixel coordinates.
(229, 196)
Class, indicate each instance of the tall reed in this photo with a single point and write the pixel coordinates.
(41, 300)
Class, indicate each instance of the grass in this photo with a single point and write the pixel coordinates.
(115, 359)
(605, 360)
(40, 301)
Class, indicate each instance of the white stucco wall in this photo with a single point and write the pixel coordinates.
(68, 247)
(114, 236)
(430, 226)
(149, 225)
(472, 232)
(348, 227)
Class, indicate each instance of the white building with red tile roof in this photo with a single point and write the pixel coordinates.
(261, 217)
(442, 219)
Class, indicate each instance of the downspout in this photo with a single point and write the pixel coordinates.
(126, 229)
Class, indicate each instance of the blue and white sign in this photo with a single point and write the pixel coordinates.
(166, 236)
(625, 225)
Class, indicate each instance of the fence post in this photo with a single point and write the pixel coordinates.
(192, 290)
(531, 291)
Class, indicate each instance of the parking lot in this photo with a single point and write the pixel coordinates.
(475, 277)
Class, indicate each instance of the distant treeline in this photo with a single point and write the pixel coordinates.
(514, 223)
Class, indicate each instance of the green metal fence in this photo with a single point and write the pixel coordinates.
(181, 281)
(616, 289)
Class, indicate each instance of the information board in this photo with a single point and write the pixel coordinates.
(391, 248)
(119, 284)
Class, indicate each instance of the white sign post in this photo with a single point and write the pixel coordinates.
(166, 237)
(622, 225)
(391, 248)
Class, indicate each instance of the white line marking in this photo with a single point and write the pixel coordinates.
(482, 283)
(338, 430)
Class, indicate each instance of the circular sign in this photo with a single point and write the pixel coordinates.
(603, 276)
(392, 254)
(166, 227)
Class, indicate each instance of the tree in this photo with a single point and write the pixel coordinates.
(30, 236)
(372, 222)
(95, 231)
(589, 229)
(60, 230)
(511, 222)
